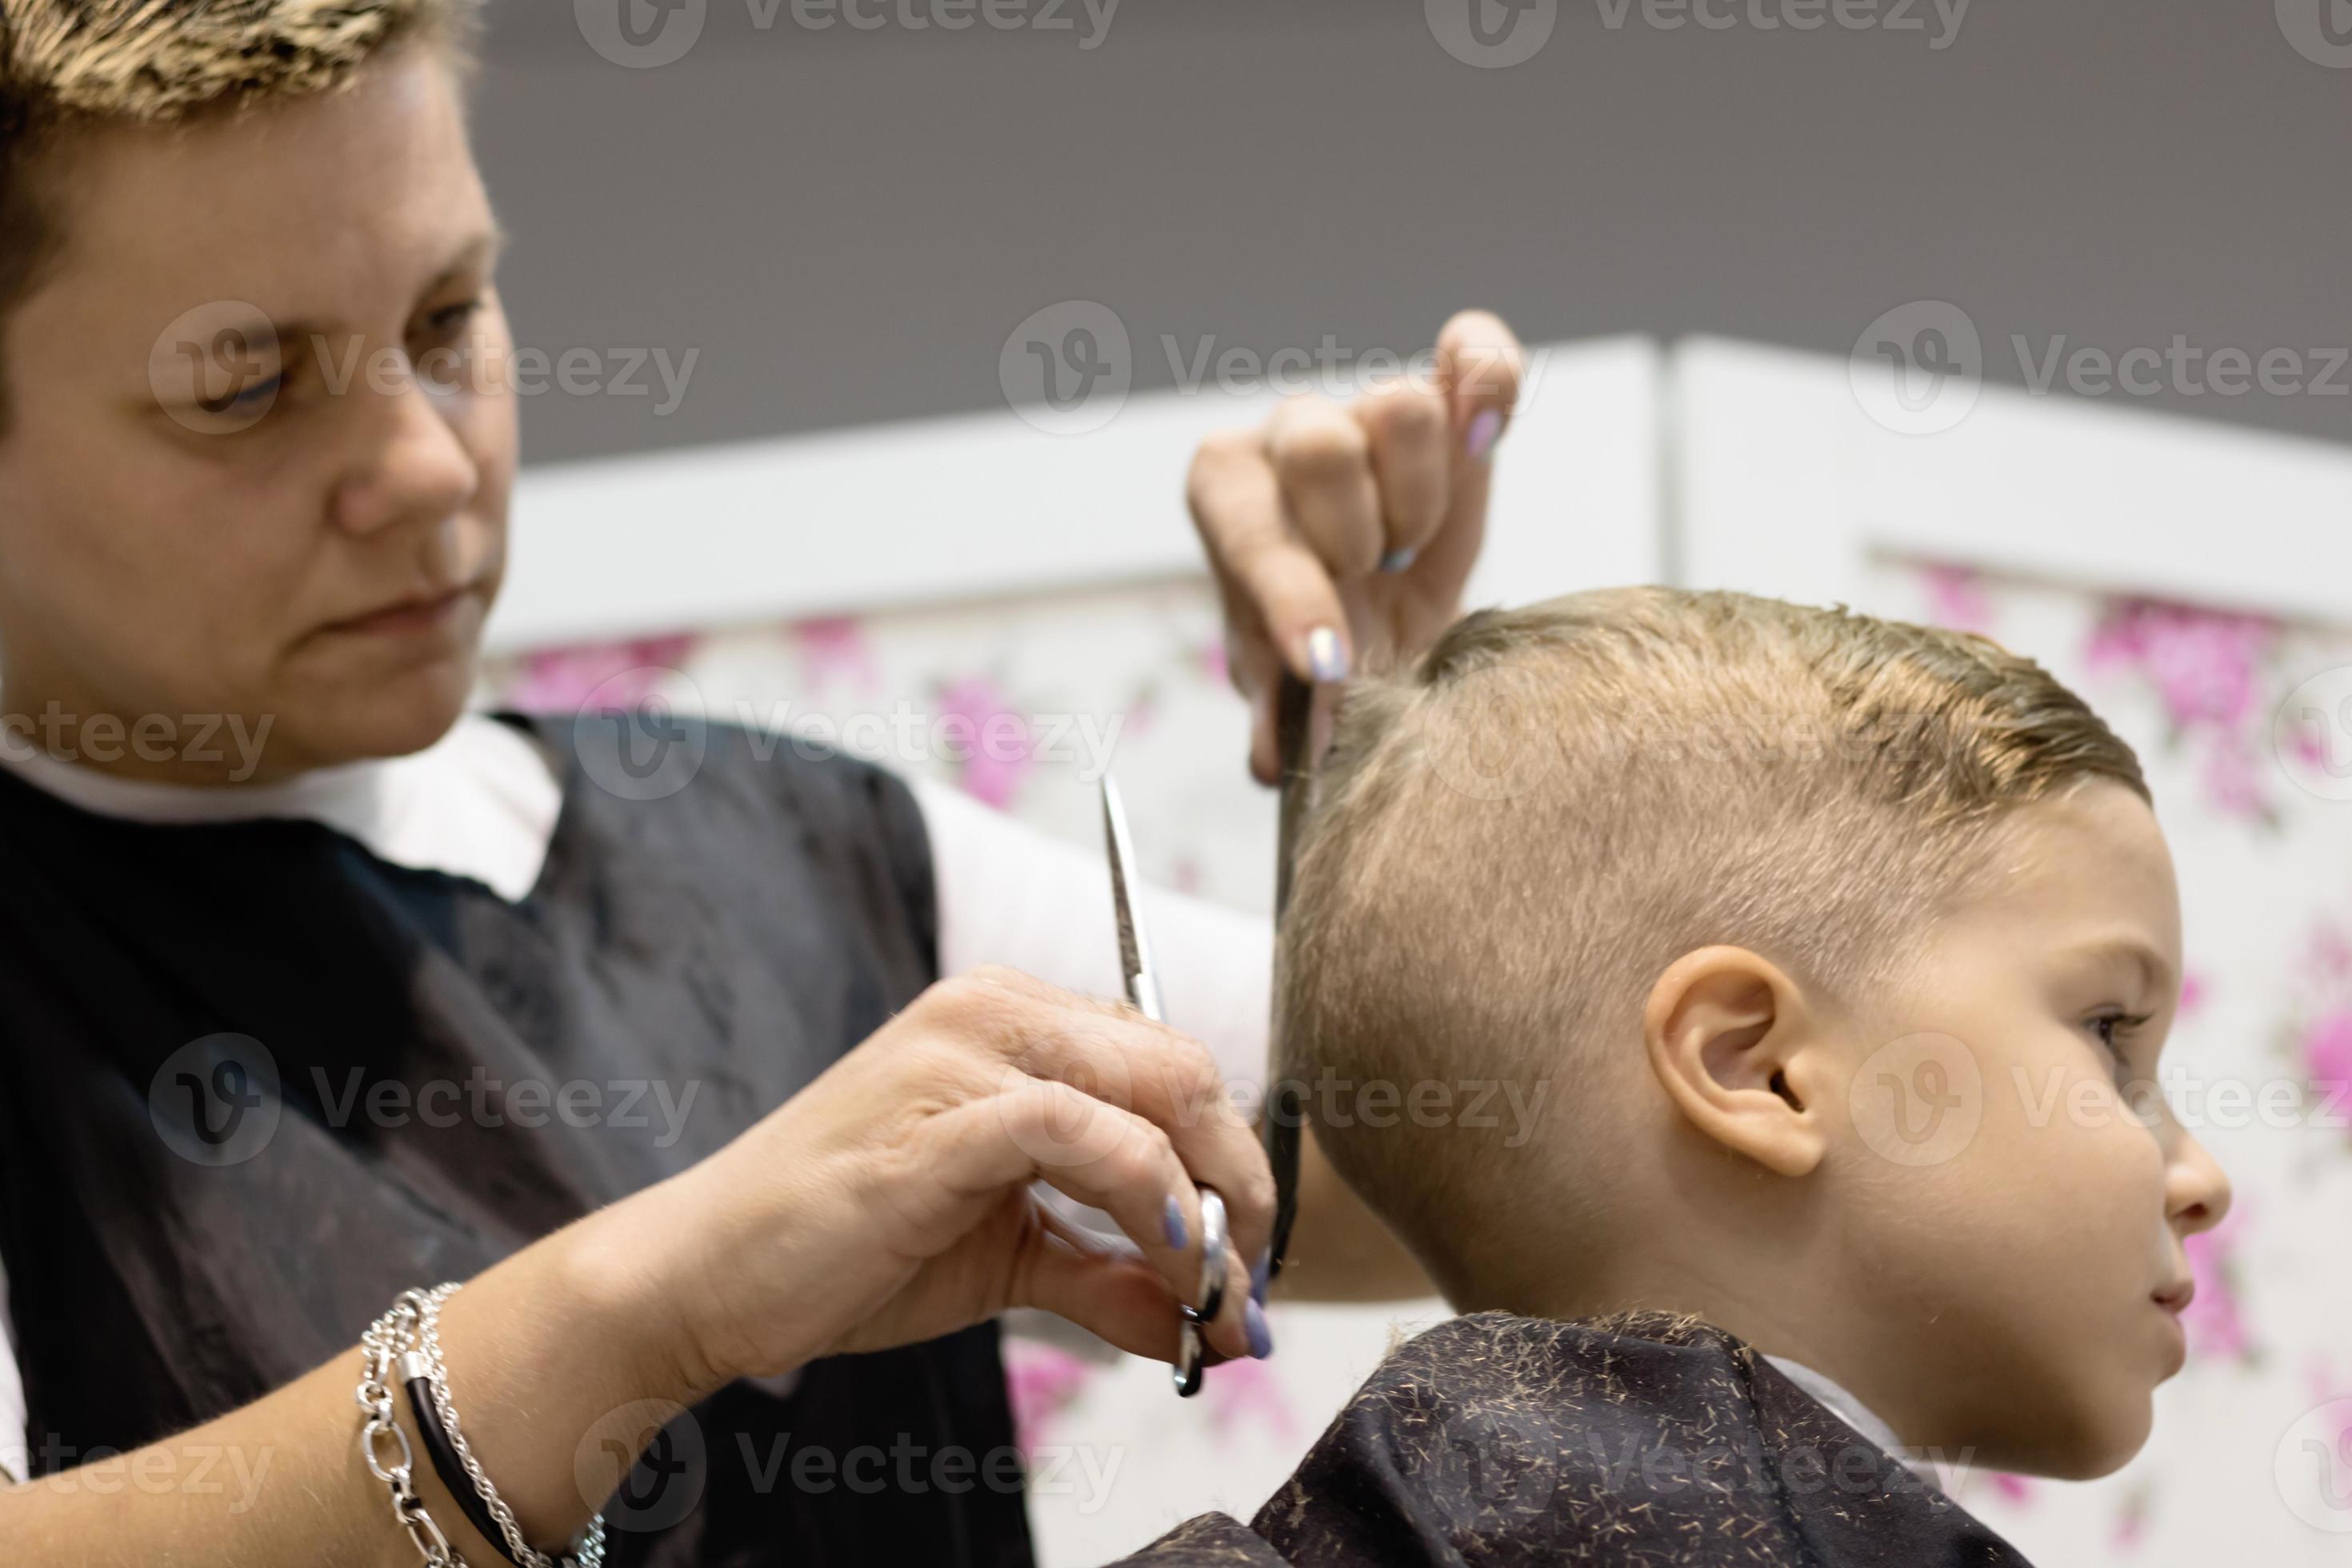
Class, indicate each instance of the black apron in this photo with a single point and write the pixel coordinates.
(1494, 1440)
(259, 1081)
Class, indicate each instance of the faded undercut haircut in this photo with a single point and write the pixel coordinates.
(71, 64)
(1514, 835)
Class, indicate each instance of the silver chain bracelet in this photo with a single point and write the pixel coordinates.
(408, 1337)
(387, 1338)
(591, 1553)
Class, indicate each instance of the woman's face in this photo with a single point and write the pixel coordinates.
(260, 401)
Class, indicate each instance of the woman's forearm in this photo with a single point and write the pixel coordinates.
(553, 1366)
(886, 1204)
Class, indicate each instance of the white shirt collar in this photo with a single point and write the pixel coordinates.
(481, 802)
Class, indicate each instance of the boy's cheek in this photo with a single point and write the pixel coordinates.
(2064, 1137)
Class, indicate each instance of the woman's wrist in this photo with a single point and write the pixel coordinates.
(566, 1358)
(631, 1281)
(753, 1245)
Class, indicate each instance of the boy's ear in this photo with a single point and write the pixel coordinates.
(1723, 1030)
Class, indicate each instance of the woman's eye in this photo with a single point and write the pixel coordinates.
(453, 320)
(237, 407)
(256, 395)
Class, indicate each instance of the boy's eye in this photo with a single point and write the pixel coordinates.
(2116, 1031)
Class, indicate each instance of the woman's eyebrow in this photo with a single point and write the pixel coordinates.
(475, 254)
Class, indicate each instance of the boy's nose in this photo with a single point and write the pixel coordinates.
(2196, 1189)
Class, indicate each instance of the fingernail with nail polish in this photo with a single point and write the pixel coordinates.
(1398, 559)
(1261, 1338)
(1171, 1220)
(1325, 657)
(1260, 1273)
(1483, 431)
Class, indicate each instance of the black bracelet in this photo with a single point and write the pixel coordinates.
(452, 1473)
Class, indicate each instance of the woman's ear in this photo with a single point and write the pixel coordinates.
(1727, 1034)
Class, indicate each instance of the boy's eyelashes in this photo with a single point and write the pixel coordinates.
(2118, 1030)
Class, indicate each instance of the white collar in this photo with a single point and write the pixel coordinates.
(481, 802)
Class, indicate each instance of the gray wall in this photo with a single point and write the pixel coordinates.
(848, 225)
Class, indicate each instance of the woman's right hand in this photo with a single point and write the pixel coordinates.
(890, 1200)
(886, 1203)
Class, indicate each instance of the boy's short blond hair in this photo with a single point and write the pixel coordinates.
(75, 63)
(1517, 834)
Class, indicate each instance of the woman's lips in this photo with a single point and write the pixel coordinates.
(2175, 1299)
(407, 617)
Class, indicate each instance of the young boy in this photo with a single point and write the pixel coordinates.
(1844, 949)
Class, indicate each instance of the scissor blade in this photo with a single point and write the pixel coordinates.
(1134, 950)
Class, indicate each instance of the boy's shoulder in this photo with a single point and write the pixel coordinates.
(1494, 1438)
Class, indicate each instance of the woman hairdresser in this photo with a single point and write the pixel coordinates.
(318, 994)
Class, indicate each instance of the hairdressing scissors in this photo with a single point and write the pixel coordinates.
(1143, 990)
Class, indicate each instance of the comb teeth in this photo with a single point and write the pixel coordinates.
(1294, 714)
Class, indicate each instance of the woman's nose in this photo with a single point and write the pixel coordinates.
(413, 463)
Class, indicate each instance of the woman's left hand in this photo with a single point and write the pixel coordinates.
(1342, 531)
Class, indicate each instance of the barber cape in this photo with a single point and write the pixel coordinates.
(1642, 1438)
(260, 1080)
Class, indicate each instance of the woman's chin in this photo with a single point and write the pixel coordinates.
(393, 720)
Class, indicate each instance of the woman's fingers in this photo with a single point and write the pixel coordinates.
(1479, 367)
(1114, 1295)
(1301, 517)
(1113, 1110)
(1262, 561)
(1168, 1079)
(1409, 435)
(1479, 372)
(1322, 458)
(1143, 1185)
(1256, 673)
(1098, 1154)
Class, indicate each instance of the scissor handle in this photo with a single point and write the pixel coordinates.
(1189, 1345)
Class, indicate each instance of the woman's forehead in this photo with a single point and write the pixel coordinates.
(310, 209)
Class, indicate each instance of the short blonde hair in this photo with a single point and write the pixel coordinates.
(70, 63)
(1514, 835)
